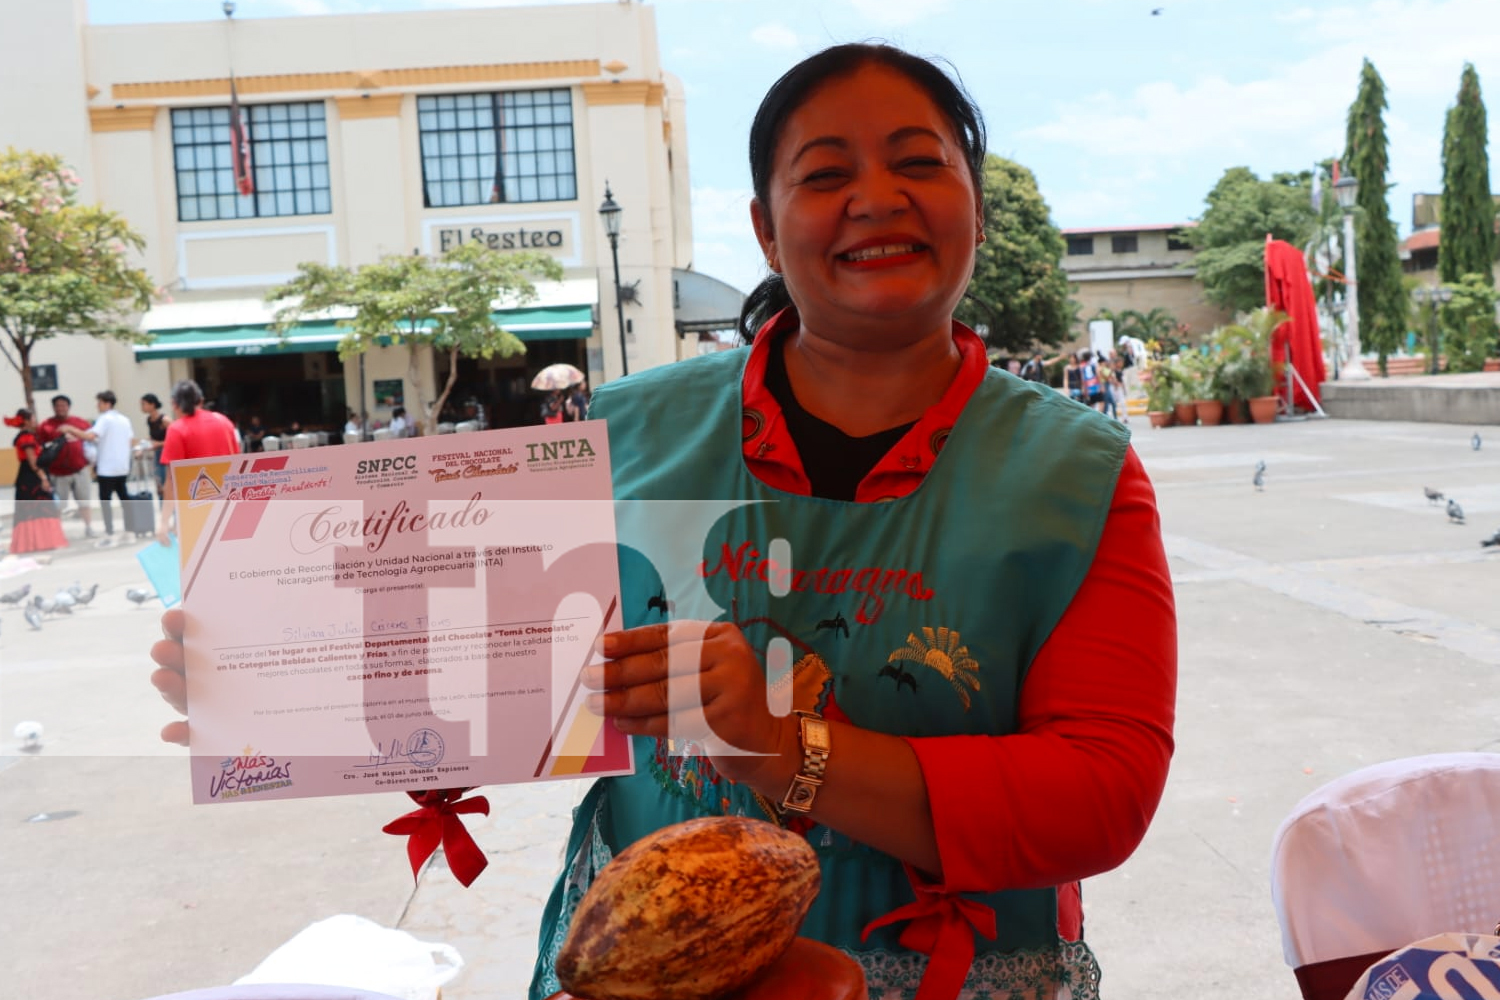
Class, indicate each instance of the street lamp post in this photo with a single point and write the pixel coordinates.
(1433, 298)
(1345, 189)
(610, 213)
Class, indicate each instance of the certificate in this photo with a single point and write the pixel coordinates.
(398, 615)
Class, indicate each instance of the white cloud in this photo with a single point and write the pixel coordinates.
(724, 244)
(1294, 113)
(775, 36)
(898, 13)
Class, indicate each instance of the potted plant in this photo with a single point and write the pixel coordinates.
(1158, 381)
(1260, 388)
(1230, 381)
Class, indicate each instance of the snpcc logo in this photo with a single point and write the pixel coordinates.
(384, 473)
(564, 453)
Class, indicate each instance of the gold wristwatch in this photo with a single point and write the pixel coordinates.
(816, 744)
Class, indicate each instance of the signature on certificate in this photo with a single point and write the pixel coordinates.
(423, 748)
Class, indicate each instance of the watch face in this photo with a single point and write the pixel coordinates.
(815, 734)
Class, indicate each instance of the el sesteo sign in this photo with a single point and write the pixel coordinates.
(550, 235)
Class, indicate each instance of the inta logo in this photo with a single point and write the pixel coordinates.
(566, 449)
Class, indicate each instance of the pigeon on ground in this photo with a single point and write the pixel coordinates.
(82, 597)
(1260, 475)
(15, 596)
(1432, 495)
(1455, 512)
(63, 599)
(33, 616)
(1474, 441)
(29, 735)
(1492, 540)
(137, 596)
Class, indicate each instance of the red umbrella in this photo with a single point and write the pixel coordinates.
(1298, 339)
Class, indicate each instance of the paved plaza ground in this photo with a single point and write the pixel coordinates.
(1332, 620)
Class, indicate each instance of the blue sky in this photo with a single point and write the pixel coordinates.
(1125, 117)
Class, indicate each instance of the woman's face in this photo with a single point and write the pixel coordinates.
(873, 216)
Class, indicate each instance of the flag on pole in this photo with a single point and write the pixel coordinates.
(239, 144)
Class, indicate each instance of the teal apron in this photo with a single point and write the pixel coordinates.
(917, 617)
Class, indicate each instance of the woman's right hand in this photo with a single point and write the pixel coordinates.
(170, 675)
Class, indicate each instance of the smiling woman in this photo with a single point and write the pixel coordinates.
(957, 758)
(965, 742)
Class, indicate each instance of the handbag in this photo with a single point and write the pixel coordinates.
(49, 452)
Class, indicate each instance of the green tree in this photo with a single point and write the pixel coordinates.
(1383, 305)
(1468, 322)
(444, 303)
(1019, 290)
(1468, 241)
(64, 267)
(1231, 236)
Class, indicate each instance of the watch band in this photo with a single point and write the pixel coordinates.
(813, 733)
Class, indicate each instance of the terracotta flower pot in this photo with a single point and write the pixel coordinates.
(1160, 418)
(1263, 409)
(1235, 413)
(1186, 413)
(1210, 412)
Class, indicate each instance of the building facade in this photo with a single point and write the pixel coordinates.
(1139, 268)
(366, 136)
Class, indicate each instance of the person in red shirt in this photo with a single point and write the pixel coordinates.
(70, 470)
(35, 526)
(193, 433)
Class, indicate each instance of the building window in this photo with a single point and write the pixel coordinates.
(1177, 240)
(480, 149)
(1080, 246)
(1123, 244)
(288, 161)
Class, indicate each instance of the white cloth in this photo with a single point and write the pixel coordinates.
(1387, 855)
(115, 435)
(352, 427)
(400, 428)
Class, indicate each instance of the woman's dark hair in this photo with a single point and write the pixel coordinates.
(186, 396)
(151, 398)
(794, 89)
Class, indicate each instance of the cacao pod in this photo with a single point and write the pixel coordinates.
(690, 912)
(809, 970)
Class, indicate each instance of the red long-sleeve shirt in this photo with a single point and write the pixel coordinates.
(1070, 794)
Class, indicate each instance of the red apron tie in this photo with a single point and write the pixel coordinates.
(436, 823)
(942, 927)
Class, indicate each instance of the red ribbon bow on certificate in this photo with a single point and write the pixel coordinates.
(436, 823)
(942, 927)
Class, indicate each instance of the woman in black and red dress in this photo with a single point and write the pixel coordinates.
(37, 526)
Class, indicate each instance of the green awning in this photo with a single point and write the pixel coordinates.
(536, 323)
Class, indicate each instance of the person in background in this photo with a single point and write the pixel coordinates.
(576, 402)
(552, 407)
(156, 436)
(194, 433)
(255, 434)
(474, 410)
(111, 435)
(36, 526)
(70, 470)
(354, 426)
(1116, 371)
(1035, 370)
(400, 426)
